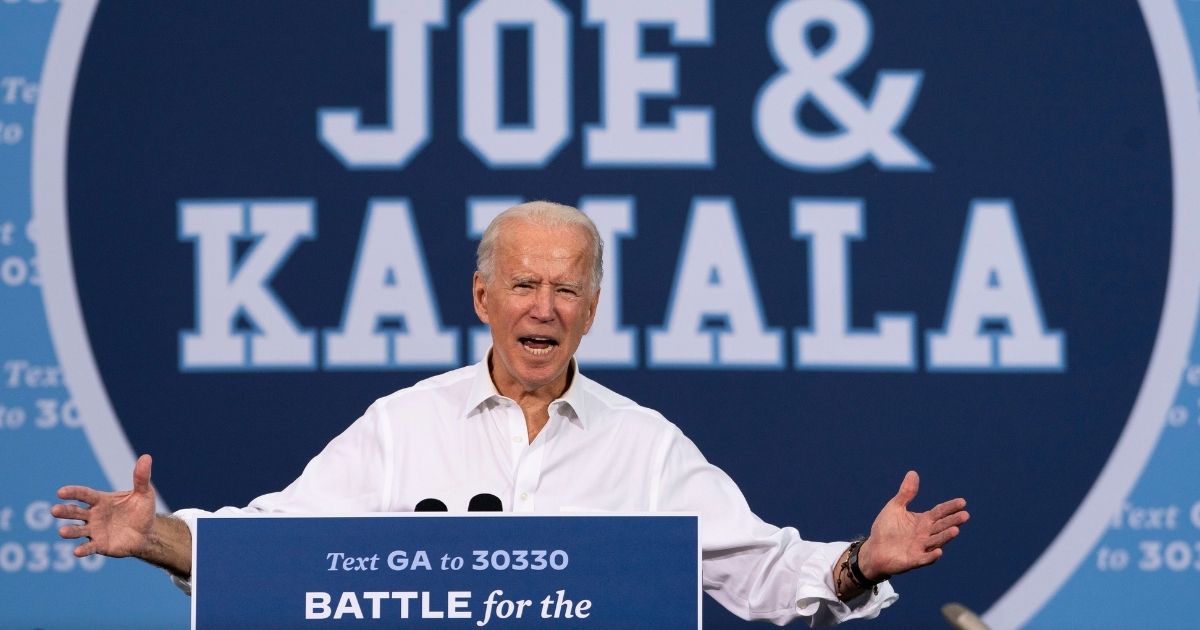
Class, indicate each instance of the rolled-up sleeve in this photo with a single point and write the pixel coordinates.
(754, 569)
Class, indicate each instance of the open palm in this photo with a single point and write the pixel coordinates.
(116, 524)
(901, 540)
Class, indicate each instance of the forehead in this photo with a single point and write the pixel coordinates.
(529, 247)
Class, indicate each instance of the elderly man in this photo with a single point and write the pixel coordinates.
(526, 425)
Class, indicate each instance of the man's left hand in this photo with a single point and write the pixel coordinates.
(901, 540)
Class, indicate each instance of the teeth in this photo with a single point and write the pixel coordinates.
(528, 342)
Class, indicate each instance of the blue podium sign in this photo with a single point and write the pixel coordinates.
(442, 571)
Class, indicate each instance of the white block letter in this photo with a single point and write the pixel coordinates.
(227, 287)
(866, 126)
(390, 282)
(993, 286)
(408, 128)
(714, 318)
(348, 605)
(629, 76)
(549, 126)
(317, 605)
(829, 225)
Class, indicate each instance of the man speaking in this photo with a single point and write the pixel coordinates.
(526, 426)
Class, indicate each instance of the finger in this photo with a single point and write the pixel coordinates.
(73, 531)
(940, 525)
(79, 493)
(929, 557)
(69, 511)
(947, 507)
(939, 539)
(141, 474)
(908, 489)
(86, 549)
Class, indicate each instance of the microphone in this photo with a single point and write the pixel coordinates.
(962, 618)
(430, 505)
(485, 502)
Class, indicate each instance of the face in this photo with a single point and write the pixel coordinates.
(538, 305)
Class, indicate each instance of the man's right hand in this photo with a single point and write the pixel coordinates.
(123, 524)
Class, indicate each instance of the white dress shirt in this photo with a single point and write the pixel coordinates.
(453, 436)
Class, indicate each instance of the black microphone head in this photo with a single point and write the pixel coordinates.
(431, 505)
(485, 502)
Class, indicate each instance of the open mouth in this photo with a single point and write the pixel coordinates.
(538, 345)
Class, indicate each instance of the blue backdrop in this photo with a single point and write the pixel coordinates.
(845, 240)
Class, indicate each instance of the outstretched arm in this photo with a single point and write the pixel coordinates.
(901, 540)
(123, 524)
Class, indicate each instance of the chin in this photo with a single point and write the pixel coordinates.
(534, 378)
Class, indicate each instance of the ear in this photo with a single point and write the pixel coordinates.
(479, 297)
(591, 316)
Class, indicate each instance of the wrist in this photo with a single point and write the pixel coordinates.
(169, 545)
(862, 565)
(152, 542)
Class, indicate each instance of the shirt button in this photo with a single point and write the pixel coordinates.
(524, 496)
(516, 439)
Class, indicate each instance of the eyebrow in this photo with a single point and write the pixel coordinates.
(534, 280)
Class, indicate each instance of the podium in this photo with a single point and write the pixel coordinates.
(435, 570)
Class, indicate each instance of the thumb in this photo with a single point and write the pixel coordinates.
(908, 489)
(141, 474)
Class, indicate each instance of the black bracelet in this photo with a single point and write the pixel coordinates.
(856, 571)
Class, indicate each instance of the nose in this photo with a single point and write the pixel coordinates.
(543, 304)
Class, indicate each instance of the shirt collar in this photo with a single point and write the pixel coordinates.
(483, 389)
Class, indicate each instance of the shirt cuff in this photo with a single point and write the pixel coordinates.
(816, 595)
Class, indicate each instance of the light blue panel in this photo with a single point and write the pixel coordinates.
(1146, 567)
(1190, 11)
(41, 444)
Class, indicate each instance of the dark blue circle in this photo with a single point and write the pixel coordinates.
(1059, 110)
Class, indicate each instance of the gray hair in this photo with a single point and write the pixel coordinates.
(543, 213)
